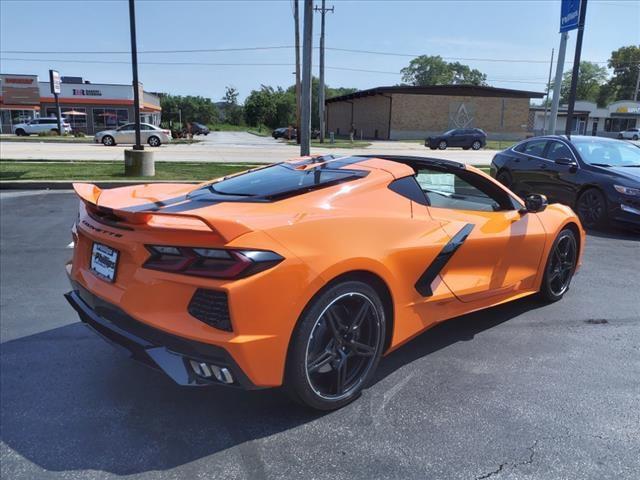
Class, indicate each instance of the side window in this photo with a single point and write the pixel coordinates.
(462, 190)
(532, 147)
(128, 126)
(558, 150)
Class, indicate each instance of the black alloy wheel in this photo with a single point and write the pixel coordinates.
(560, 267)
(592, 208)
(337, 346)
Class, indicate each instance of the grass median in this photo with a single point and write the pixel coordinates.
(16, 170)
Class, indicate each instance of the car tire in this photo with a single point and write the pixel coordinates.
(560, 267)
(108, 141)
(54, 131)
(620, 137)
(476, 145)
(20, 132)
(344, 321)
(442, 145)
(154, 141)
(504, 177)
(591, 208)
(635, 137)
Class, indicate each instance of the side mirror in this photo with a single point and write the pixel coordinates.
(569, 162)
(535, 203)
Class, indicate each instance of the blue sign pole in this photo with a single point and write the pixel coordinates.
(576, 69)
(569, 15)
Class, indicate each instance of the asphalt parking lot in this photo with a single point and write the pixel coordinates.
(519, 391)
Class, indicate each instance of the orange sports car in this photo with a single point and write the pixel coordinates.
(304, 273)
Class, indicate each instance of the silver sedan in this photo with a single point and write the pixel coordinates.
(154, 136)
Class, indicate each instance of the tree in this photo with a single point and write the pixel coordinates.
(590, 80)
(433, 70)
(232, 111)
(625, 63)
(189, 108)
(269, 106)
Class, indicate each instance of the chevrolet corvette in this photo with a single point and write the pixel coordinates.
(304, 273)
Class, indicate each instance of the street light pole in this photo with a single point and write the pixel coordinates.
(134, 66)
(576, 69)
(305, 101)
(323, 10)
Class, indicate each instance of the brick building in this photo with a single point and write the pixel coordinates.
(406, 112)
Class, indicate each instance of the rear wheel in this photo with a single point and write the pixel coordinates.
(560, 267)
(635, 137)
(336, 347)
(504, 177)
(476, 145)
(154, 141)
(591, 207)
(442, 145)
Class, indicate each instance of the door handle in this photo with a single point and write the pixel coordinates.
(542, 166)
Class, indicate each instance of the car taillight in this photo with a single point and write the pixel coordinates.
(210, 262)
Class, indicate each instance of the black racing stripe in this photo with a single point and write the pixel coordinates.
(423, 285)
(155, 206)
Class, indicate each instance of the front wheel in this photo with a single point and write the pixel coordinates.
(560, 267)
(442, 145)
(154, 141)
(635, 137)
(336, 346)
(20, 132)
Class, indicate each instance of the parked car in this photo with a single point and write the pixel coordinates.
(598, 177)
(630, 134)
(39, 125)
(466, 138)
(154, 136)
(239, 282)
(199, 129)
(284, 132)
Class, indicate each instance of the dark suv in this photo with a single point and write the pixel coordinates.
(458, 137)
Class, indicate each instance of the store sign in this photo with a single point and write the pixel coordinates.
(569, 15)
(628, 110)
(19, 89)
(87, 92)
(55, 82)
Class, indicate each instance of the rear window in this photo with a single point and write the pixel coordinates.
(280, 181)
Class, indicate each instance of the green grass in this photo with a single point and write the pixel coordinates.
(12, 170)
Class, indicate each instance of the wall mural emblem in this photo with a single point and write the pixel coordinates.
(461, 115)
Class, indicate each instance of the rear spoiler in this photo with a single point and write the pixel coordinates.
(90, 194)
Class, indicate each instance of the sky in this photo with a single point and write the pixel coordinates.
(524, 30)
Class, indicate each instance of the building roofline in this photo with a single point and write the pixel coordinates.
(461, 90)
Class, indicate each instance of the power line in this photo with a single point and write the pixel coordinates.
(206, 64)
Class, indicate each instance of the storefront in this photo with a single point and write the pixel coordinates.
(589, 119)
(88, 107)
(19, 99)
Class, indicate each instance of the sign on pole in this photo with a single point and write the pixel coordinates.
(54, 82)
(569, 15)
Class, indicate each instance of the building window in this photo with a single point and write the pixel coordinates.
(74, 116)
(105, 118)
(619, 124)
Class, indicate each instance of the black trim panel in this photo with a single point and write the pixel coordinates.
(409, 188)
(155, 348)
(423, 285)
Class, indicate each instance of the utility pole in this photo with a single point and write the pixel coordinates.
(305, 99)
(635, 97)
(557, 85)
(296, 19)
(134, 66)
(576, 69)
(323, 10)
(546, 101)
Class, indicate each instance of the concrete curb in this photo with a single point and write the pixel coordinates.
(68, 184)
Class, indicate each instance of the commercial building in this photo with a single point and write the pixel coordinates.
(88, 107)
(407, 112)
(589, 119)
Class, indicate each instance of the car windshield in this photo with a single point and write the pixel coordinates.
(611, 153)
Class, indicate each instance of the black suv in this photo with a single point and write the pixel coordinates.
(199, 129)
(458, 137)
